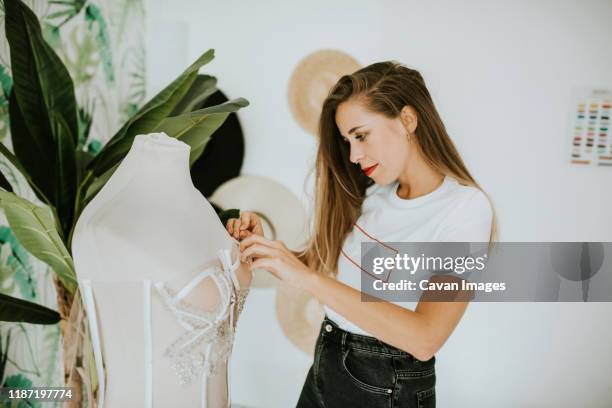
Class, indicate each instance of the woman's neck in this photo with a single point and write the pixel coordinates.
(418, 179)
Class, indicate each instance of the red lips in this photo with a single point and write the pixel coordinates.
(369, 170)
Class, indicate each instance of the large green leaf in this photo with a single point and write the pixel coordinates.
(36, 230)
(201, 89)
(148, 117)
(66, 166)
(4, 183)
(195, 128)
(87, 179)
(18, 310)
(36, 169)
(15, 162)
(42, 109)
(82, 160)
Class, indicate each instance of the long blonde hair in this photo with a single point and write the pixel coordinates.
(385, 88)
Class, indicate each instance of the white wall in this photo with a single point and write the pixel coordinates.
(501, 74)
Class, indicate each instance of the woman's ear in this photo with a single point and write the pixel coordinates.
(409, 118)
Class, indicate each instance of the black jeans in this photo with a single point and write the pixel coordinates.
(351, 370)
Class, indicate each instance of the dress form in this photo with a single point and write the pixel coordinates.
(149, 225)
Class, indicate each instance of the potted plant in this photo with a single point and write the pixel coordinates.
(44, 131)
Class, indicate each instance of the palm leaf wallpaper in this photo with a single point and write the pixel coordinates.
(101, 44)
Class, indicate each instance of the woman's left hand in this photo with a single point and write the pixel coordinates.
(275, 257)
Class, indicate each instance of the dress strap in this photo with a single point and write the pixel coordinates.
(230, 267)
(193, 283)
(191, 317)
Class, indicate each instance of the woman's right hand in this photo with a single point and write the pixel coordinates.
(248, 224)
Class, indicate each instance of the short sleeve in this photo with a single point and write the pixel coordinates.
(470, 221)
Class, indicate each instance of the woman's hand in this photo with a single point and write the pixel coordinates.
(248, 224)
(276, 258)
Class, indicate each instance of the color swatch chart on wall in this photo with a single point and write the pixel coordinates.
(591, 134)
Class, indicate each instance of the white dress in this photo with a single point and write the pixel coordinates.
(161, 281)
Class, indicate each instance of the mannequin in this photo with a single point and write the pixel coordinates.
(147, 239)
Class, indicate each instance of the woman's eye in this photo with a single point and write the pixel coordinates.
(358, 136)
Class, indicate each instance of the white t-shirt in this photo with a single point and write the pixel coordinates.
(451, 213)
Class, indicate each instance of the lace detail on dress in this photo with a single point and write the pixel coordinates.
(239, 305)
(207, 343)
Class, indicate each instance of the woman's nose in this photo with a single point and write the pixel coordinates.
(356, 154)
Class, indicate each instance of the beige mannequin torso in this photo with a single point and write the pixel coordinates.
(149, 224)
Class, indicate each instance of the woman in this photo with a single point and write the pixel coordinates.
(386, 170)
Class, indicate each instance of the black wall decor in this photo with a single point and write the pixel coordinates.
(223, 156)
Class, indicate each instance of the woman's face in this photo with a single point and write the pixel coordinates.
(377, 143)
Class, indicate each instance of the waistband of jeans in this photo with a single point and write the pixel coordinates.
(331, 331)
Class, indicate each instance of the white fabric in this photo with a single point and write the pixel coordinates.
(148, 341)
(203, 324)
(150, 224)
(451, 213)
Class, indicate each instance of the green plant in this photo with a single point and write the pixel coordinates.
(18, 310)
(45, 134)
